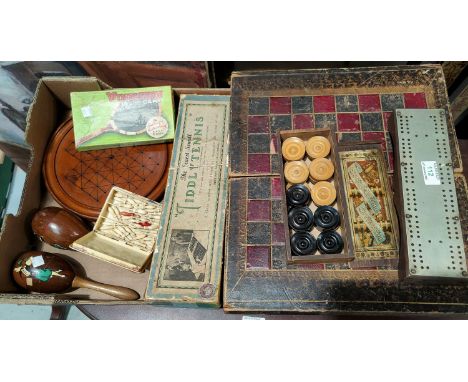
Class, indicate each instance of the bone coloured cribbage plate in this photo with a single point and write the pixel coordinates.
(370, 207)
(431, 231)
(125, 232)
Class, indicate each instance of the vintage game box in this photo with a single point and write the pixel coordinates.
(369, 202)
(122, 117)
(356, 104)
(187, 262)
(125, 232)
(343, 229)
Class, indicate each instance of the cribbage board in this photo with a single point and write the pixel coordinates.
(356, 104)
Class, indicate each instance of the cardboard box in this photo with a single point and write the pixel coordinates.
(50, 106)
(122, 117)
(125, 232)
(187, 263)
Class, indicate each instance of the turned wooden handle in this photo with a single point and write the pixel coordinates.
(119, 292)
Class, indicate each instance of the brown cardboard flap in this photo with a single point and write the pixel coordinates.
(61, 87)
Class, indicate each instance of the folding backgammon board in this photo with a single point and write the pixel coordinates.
(357, 105)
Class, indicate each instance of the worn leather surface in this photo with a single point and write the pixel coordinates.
(257, 277)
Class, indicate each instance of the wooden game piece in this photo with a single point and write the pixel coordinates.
(323, 193)
(58, 227)
(301, 219)
(330, 242)
(303, 244)
(321, 169)
(298, 195)
(317, 147)
(293, 148)
(45, 272)
(326, 218)
(296, 172)
(80, 181)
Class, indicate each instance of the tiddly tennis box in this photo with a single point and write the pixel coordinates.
(50, 106)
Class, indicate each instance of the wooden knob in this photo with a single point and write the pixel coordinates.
(321, 169)
(296, 172)
(323, 194)
(317, 147)
(293, 148)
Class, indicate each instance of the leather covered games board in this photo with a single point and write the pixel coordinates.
(81, 181)
(356, 104)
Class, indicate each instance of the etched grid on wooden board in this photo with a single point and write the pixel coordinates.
(363, 117)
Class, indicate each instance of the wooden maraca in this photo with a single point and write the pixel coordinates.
(45, 272)
(58, 227)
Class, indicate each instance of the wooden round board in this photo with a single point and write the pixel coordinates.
(81, 181)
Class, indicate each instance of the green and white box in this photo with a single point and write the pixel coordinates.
(122, 117)
(187, 262)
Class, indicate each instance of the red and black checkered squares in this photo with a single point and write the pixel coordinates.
(355, 118)
(265, 226)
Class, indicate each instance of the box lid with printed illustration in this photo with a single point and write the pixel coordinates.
(122, 117)
(187, 262)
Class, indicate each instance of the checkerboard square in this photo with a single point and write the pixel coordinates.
(303, 121)
(324, 104)
(259, 163)
(374, 136)
(346, 103)
(280, 105)
(280, 122)
(259, 106)
(387, 117)
(278, 256)
(348, 122)
(277, 233)
(369, 102)
(258, 233)
(415, 101)
(302, 105)
(390, 160)
(371, 122)
(258, 210)
(325, 121)
(276, 211)
(276, 163)
(390, 102)
(258, 257)
(349, 137)
(259, 188)
(273, 144)
(258, 124)
(388, 141)
(276, 189)
(258, 143)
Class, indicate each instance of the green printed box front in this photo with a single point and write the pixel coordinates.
(122, 117)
